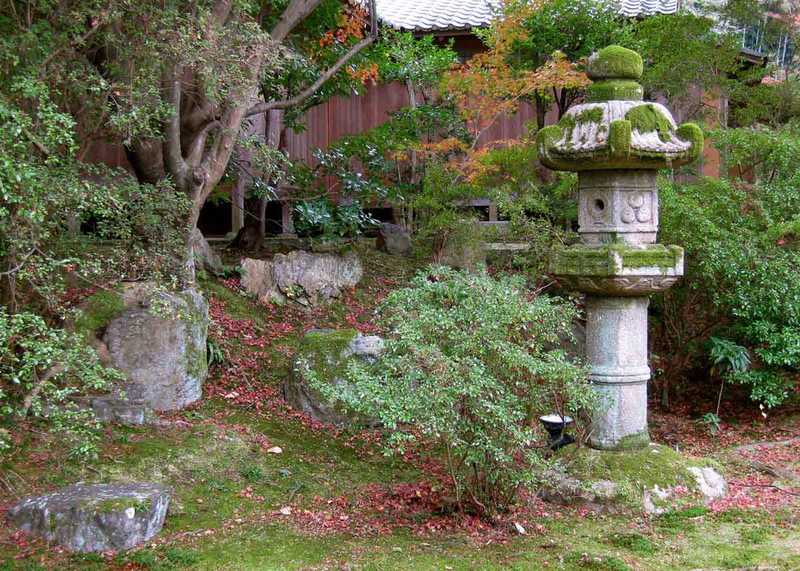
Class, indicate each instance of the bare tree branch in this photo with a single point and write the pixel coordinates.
(37, 387)
(173, 156)
(295, 12)
(18, 267)
(195, 154)
(314, 87)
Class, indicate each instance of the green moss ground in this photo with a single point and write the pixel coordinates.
(214, 453)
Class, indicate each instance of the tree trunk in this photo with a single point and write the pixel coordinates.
(147, 160)
(541, 111)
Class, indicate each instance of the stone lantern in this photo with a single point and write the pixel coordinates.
(617, 143)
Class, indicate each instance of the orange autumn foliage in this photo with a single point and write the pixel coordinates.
(488, 86)
(351, 25)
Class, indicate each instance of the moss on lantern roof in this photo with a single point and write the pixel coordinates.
(692, 133)
(614, 89)
(647, 119)
(615, 62)
(616, 259)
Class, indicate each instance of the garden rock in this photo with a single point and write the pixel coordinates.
(562, 489)
(159, 343)
(305, 277)
(256, 278)
(120, 410)
(325, 354)
(710, 483)
(393, 239)
(95, 517)
(204, 255)
(652, 479)
(463, 255)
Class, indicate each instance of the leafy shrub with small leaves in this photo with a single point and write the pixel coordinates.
(328, 222)
(470, 361)
(742, 237)
(41, 368)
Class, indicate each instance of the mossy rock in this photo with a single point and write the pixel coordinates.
(97, 311)
(159, 343)
(644, 478)
(615, 62)
(614, 259)
(322, 361)
(95, 517)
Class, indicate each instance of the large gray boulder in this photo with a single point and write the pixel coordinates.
(324, 353)
(205, 257)
(95, 517)
(159, 343)
(305, 277)
(393, 239)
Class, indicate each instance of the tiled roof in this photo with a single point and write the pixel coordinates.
(455, 15)
(432, 15)
(647, 7)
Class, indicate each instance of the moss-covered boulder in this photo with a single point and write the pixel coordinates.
(157, 339)
(159, 343)
(648, 479)
(97, 311)
(323, 356)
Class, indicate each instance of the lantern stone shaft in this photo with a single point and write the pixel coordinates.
(617, 143)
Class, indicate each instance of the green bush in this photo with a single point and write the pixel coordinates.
(323, 220)
(470, 362)
(743, 264)
(41, 368)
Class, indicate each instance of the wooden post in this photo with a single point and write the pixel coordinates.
(287, 224)
(237, 205)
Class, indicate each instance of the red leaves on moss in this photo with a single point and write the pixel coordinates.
(420, 507)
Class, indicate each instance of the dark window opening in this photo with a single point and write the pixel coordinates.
(273, 217)
(215, 218)
(383, 214)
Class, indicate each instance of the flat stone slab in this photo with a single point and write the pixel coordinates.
(95, 517)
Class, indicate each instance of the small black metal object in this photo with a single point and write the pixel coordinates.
(555, 424)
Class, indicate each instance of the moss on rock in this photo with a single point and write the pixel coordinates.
(320, 373)
(98, 311)
(322, 349)
(632, 471)
(615, 62)
(653, 465)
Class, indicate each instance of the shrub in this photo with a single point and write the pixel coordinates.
(41, 368)
(470, 361)
(743, 264)
(327, 222)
